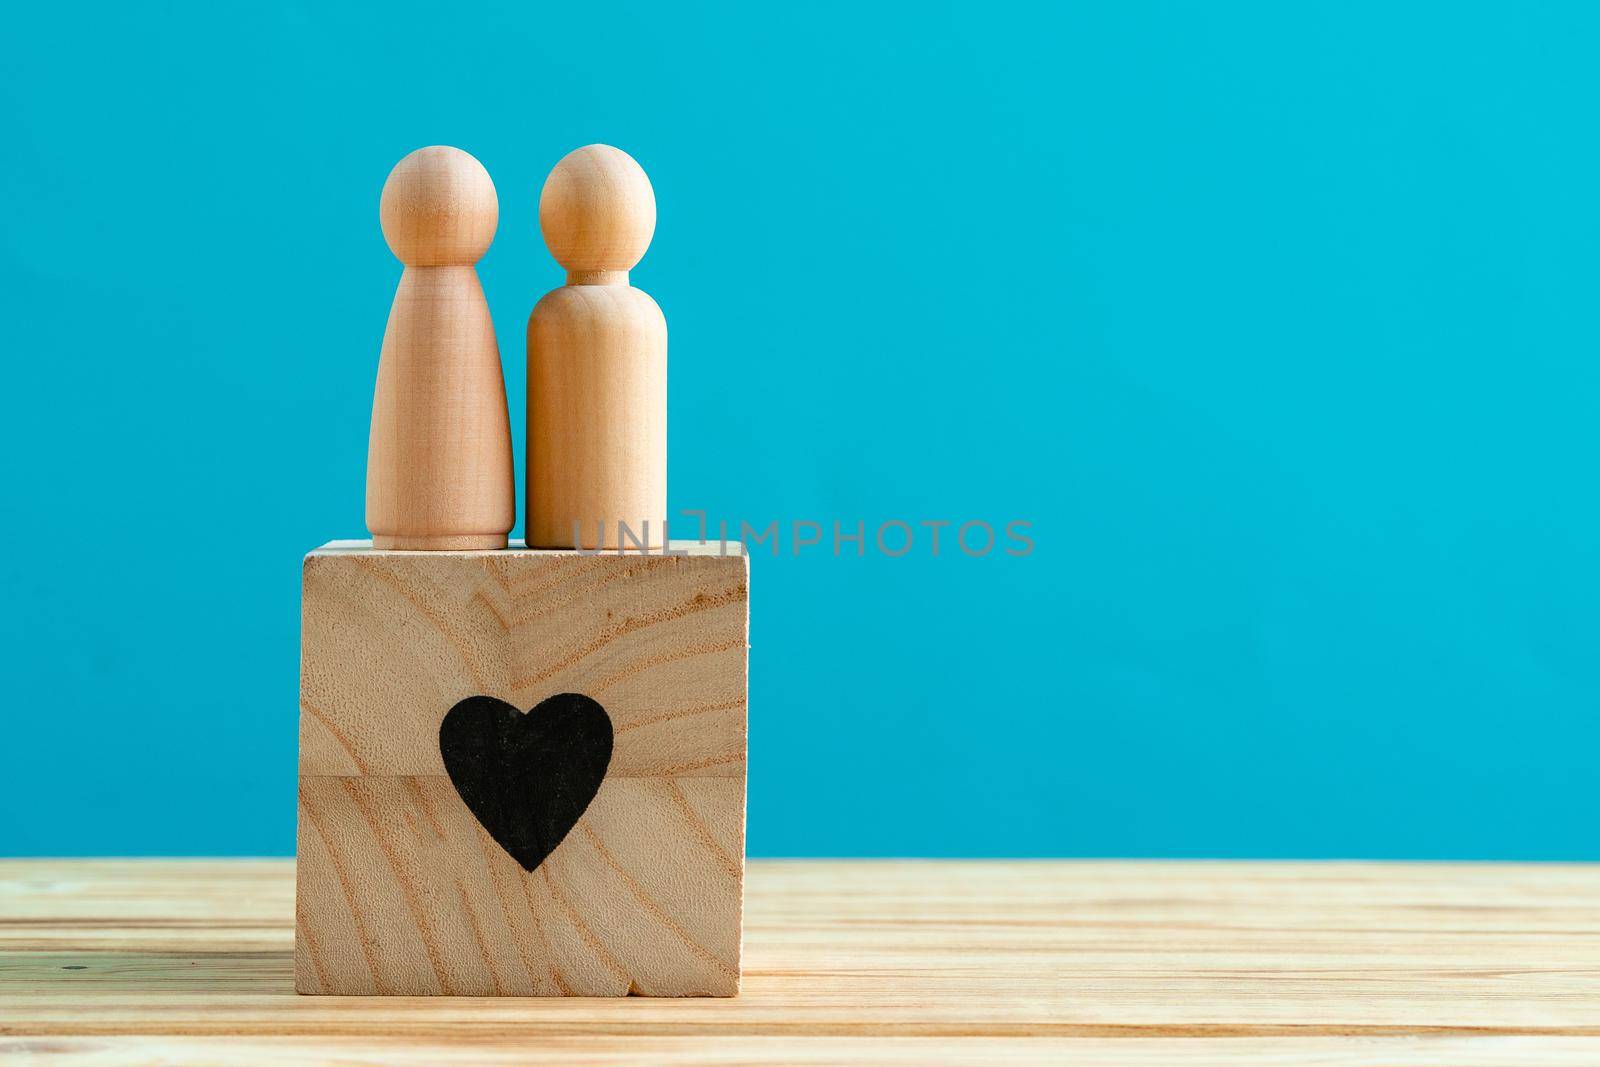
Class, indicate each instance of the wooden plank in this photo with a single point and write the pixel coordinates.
(1419, 1051)
(1350, 962)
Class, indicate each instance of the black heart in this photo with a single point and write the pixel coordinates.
(527, 778)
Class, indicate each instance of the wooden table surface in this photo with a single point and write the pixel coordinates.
(907, 962)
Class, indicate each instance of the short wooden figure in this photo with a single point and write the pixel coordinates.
(522, 771)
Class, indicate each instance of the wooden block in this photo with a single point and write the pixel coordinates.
(401, 889)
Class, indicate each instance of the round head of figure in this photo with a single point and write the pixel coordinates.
(597, 211)
(439, 208)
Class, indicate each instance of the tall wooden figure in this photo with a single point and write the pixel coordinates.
(439, 472)
(597, 364)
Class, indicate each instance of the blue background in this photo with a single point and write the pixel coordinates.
(1277, 321)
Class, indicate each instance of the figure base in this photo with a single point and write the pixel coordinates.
(454, 543)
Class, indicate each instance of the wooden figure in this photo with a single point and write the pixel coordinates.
(597, 364)
(439, 472)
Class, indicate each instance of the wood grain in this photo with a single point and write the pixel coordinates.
(401, 892)
(642, 897)
(608, 1051)
(866, 962)
(390, 640)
